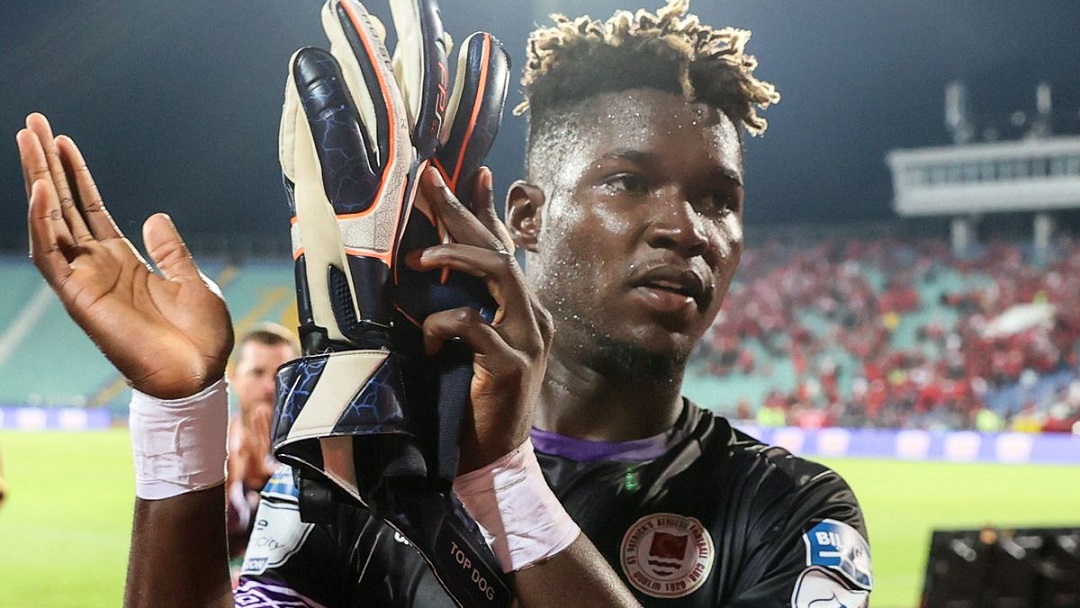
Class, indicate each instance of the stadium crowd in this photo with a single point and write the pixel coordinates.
(903, 334)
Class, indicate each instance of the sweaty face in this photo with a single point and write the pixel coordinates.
(642, 230)
(252, 379)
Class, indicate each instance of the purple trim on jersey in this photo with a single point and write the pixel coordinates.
(262, 594)
(583, 450)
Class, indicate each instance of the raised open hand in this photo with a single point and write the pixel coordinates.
(170, 334)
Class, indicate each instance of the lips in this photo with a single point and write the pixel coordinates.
(679, 280)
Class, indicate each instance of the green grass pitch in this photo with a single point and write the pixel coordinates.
(64, 531)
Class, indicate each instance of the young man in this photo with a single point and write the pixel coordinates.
(631, 220)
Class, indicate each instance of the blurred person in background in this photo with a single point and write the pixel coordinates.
(3, 484)
(259, 352)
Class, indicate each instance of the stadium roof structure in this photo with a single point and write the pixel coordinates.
(1034, 174)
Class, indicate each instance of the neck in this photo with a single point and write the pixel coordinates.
(610, 395)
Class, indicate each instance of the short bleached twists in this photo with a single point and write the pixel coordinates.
(669, 50)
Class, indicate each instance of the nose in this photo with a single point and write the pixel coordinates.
(268, 386)
(677, 226)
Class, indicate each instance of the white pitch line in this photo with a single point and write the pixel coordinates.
(24, 322)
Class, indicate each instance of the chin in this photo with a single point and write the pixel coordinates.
(622, 344)
(662, 354)
(675, 339)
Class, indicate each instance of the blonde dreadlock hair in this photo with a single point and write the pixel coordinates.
(669, 50)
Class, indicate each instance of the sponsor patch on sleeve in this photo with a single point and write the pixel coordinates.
(281, 484)
(839, 547)
(820, 588)
(277, 536)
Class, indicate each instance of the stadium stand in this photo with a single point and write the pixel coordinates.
(876, 332)
(898, 333)
(36, 373)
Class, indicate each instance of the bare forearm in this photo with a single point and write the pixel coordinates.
(178, 552)
(579, 568)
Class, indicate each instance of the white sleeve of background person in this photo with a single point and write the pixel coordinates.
(179, 445)
(522, 519)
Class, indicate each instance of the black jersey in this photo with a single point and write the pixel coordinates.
(716, 519)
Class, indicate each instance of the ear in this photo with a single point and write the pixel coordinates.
(524, 206)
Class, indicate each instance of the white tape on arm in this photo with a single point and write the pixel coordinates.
(523, 520)
(179, 445)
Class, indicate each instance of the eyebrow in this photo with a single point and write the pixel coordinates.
(645, 158)
(633, 155)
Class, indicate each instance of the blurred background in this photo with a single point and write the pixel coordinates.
(908, 306)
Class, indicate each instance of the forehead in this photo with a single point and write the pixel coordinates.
(253, 351)
(648, 120)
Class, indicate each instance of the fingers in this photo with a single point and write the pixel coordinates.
(544, 321)
(424, 72)
(483, 197)
(167, 249)
(35, 170)
(475, 108)
(500, 272)
(479, 252)
(97, 217)
(44, 218)
(28, 145)
(344, 152)
(260, 431)
(466, 324)
(51, 166)
(465, 227)
(356, 40)
(32, 150)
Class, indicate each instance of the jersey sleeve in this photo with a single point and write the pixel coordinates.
(810, 546)
(307, 550)
(289, 563)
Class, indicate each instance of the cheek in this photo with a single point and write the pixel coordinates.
(727, 241)
(566, 262)
(586, 233)
(571, 273)
(727, 250)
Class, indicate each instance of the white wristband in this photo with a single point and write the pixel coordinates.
(179, 445)
(522, 519)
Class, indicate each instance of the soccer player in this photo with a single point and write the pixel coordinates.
(258, 354)
(630, 217)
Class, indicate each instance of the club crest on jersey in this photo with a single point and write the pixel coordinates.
(667, 555)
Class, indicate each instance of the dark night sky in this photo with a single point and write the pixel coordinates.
(175, 104)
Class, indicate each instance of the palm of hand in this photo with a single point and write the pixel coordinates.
(171, 338)
(169, 334)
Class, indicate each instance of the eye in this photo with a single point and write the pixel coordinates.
(724, 200)
(630, 183)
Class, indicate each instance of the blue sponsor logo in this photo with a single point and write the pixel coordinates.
(839, 547)
(281, 484)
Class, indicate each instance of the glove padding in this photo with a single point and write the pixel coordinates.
(469, 130)
(361, 414)
(351, 158)
(350, 172)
